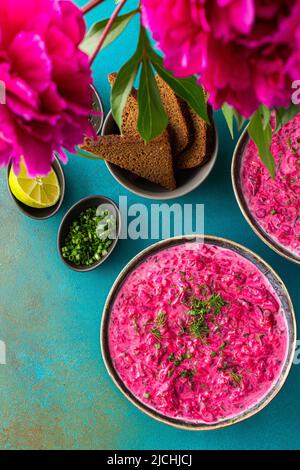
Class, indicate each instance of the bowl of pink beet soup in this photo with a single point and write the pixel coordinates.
(198, 333)
(271, 206)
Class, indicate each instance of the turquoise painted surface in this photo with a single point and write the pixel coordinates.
(54, 390)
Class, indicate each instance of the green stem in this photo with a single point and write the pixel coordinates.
(107, 29)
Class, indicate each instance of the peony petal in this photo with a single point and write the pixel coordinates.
(30, 60)
(5, 151)
(223, 41)
(62, 156)
(73, 22)
(242, 15)
(37, 155)
(51, 101)
(47, 79)
(20, 16)
(15, 86)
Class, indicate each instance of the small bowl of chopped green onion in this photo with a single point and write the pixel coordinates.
(88, 233)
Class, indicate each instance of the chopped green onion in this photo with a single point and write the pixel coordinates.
(82, 245)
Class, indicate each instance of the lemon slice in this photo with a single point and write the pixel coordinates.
(39, 192)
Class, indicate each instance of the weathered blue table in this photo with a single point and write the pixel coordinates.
(54, 389)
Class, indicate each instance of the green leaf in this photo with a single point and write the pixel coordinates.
(123, 85)
(152, 119)
(266, 113)
(228, 113)
(240, 120)
(284, 115)
(262, 138)
(187, 88)
(92, 38)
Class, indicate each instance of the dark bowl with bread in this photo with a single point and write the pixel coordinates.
(168, 167)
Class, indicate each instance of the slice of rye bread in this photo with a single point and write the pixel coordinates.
(177, 113)
(131, 110)
(202, 136)
(131, 113)
(152, 161)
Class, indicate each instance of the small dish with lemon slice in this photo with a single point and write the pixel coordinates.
(40, 197)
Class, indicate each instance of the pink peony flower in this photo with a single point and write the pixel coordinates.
(246, 52)
(47, 80)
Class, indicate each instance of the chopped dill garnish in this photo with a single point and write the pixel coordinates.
(161, 318)
(199, 328)
(147, 396)
(170, 373)
(183, 329)
(135, 326)
(178, 360)
(223, 345)
(188, 355)
(160, 321)
(216, 302)
(156, 333)
(236, 378)
(204, 289)
(200, 309)
(158, 346)
(187, 373)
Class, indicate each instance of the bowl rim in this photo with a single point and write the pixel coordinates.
(54, 209)
(237, 188)
(83, 269)
(96, 92)
(178, 192)
(177, 423)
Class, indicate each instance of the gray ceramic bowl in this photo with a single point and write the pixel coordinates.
(187, 180)
(276, 283)
(42, 214)
(97, 120)
(73, 212)
(238, 190)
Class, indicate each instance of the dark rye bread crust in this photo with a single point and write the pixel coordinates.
(176, 111)
(152, 161)
(202, 136)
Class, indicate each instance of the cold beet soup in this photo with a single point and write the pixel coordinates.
(197, 333)
(275, 204)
